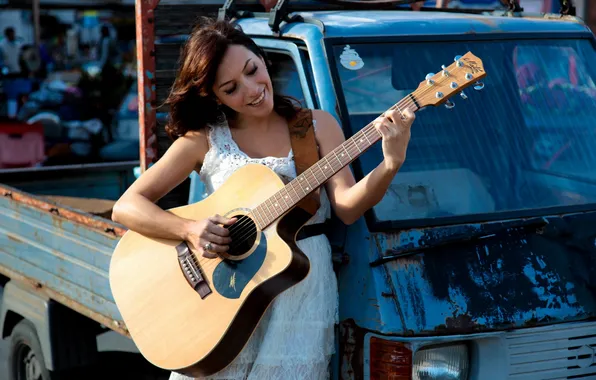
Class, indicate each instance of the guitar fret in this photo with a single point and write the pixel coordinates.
(357, 146)
(321, 170)
(284, 198)
(326, 174)
(292, 185)
(365, 135)
(327, 164)
(308, 184)
(257, 214)
(268, 210)
(276, 204)
(348, 153)
(335, 153)
(275, 212)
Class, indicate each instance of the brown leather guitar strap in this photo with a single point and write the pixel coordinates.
(306, 153)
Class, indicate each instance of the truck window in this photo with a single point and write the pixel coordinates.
(524, 143)
(284, 75)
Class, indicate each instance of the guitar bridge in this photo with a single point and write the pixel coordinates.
(191, 270)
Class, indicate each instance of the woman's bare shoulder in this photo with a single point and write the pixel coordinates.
(194, 144)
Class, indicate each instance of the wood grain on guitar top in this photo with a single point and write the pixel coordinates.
(173, 327)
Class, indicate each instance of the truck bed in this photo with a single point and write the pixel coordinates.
(62, 245)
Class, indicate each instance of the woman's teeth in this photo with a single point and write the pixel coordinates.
(258, 100)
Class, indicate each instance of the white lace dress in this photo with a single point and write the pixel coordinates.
(295, 339)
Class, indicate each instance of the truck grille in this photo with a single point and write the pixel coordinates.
(568, 352)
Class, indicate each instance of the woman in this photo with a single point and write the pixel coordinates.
(225, 114)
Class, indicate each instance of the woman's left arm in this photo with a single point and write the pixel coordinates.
(351, 199)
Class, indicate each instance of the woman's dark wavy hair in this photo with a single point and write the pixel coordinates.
(191, 99)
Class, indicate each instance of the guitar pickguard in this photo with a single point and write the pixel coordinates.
(231, 277)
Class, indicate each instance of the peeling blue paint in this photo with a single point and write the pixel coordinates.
(517, 277)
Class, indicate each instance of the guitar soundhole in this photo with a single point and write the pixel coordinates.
(243, 234)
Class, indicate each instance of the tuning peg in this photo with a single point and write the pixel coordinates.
(463, 95)
(445, 72)
(458, 60)
(429, 78)
(478, 86)
(449, 104)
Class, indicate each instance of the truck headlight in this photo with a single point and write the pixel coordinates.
(444, 362)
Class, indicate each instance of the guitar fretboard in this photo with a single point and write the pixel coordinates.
(313, 177)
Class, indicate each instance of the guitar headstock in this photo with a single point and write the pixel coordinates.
(437, 88)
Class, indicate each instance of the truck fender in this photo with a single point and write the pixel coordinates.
(20, 301)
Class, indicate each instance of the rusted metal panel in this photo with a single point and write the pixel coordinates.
(61, 212)
(507, 278)
(145, 33)
(61, 252)
(116, 325)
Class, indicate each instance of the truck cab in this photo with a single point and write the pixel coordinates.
(479, 262)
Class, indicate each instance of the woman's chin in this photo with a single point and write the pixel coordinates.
(262, 110)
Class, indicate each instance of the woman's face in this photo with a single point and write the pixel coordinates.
(243, 83)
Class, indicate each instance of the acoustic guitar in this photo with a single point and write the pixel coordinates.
(193, 315)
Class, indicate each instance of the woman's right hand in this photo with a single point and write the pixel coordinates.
(209, 236)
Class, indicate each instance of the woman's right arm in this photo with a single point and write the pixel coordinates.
(136, 209)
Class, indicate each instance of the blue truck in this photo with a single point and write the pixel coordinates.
(478, 264)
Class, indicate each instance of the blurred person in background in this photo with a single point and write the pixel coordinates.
(10, 49)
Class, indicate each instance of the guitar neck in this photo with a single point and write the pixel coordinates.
(436, 89)
(319, 173)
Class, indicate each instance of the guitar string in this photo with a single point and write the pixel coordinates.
(352, 149)
(248, 231)
(363, 132)
(366, 131)
(247, 228)
(408, 102)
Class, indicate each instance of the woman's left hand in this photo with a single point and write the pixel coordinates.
(395, 126)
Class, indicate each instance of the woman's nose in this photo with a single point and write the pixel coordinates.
(252, 88)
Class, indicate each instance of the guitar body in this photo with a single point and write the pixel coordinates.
(176, 327)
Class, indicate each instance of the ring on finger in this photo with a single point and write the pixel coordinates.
(208, 246)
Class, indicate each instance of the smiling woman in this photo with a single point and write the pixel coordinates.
(225, 114)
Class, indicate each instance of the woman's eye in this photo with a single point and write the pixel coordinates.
(253, 71)
(230, 90)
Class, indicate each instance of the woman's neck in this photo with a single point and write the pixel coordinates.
(256, 123)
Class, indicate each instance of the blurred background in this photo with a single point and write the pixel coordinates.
(68, 69)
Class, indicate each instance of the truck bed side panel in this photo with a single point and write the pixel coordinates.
(64, 252)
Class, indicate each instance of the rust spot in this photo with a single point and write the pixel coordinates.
(14, 238)
(484, 20)
(460, 322)
(533, 322)
(61, 213)
(145, 33)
